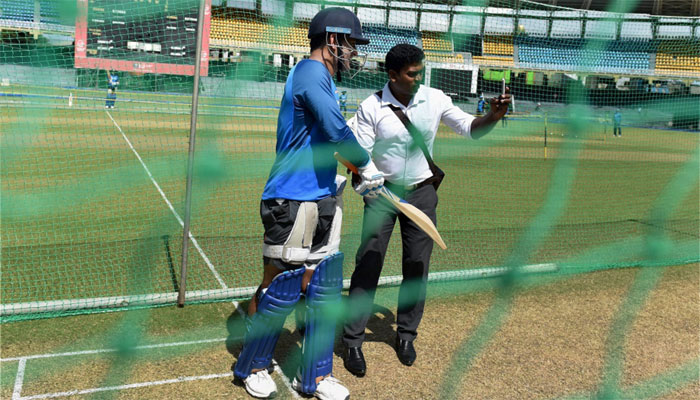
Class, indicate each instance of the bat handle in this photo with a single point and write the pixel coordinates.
(346, 163)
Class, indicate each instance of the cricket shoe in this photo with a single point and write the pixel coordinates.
(329, 388)
(260, 385)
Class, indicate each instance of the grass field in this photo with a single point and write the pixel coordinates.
(91, 198)
(632, 330)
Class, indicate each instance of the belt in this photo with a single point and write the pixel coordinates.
(408, 188)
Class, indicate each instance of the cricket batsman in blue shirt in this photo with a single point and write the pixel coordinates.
(301, 211)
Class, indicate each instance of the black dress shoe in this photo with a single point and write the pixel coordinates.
(405, 351)
(354, 361)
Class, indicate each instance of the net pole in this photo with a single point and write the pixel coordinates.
(190, 157)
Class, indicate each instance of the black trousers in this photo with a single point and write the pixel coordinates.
(378, 223)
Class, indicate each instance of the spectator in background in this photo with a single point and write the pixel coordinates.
(617, 123)
(481, 105)
(343, 102)
(112, 83)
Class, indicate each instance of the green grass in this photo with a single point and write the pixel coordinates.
(81, 217)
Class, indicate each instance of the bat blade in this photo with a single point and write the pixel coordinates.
(409, 210)
(417, 216)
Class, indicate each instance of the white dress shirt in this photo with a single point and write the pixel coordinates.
(382, 133)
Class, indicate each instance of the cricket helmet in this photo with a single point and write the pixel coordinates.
(337, 20)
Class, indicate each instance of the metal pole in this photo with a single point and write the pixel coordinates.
(190, 158)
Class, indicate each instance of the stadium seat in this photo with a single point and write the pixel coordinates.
(579, 55)
(18, 10)
(498, 46)
(383, 39)
(436, 42)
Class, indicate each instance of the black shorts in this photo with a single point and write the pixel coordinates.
(278, 216)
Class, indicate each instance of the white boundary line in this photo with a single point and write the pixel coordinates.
(177, 216)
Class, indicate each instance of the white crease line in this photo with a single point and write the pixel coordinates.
(19, 379)
(162, 194)
(98, 351)
(129, 386)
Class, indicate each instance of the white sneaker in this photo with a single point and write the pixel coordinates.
(329, 388)
(260, 385)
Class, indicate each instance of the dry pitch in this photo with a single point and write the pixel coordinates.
(552, 342)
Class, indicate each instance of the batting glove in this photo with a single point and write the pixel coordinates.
(371, 181)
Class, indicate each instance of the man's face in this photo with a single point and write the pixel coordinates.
(408, 80)
(348, 50)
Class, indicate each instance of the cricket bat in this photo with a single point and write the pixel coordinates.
(409, 210)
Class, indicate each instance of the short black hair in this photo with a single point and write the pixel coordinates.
(317, 41)
(402, 55)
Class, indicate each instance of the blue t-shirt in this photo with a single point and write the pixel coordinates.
(113, 81)
(310, 128)
(480, 106)
(617, 118)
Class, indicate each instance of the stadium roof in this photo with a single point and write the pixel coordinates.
(684, 8)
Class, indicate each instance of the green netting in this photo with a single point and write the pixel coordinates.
(93, 198)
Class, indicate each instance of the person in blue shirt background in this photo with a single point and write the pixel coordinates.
(343, 102)
(617, 123)
(301, 212)
(481, 105)
(112, 83)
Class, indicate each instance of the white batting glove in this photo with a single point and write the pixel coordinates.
(371, 182)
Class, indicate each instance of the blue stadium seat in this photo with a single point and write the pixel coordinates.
(49, 11)
(383, 39)
(18, 10)
(576, 54)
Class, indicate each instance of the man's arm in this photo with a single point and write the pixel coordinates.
(499, 106)
(320, 100)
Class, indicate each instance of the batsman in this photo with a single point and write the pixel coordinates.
(301, 211)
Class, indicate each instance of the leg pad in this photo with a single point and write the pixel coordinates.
(275, 304)
(323, 308)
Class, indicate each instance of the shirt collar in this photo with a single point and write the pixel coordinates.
(388, 97)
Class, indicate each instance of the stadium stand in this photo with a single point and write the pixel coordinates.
(498, 46)
(678, 57)
(497, 50)
(439, 47)
(567, 54)
(383, 39)
(17, 10)
(467, 43)
(436, 42)
(228, 31)
(49, 11)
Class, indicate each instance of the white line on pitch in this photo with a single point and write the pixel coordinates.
(19, 379)
(177, 216)
(129, 386)
(98, 351)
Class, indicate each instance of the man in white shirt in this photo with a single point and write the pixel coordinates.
(407, 173)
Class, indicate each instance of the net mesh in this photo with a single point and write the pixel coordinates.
(94, 172)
